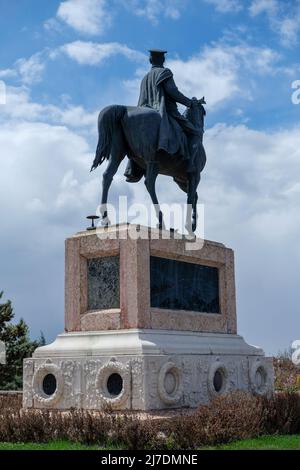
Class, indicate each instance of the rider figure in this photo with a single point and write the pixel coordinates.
(159, 91)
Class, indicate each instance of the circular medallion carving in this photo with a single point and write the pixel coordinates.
(113, 383)
(218, 383)
(170, 386)
(48, 384)
(259, 378)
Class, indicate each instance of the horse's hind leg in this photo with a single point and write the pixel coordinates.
(114, 161)
(150, 179)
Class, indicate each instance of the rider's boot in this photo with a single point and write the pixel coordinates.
(132, 174)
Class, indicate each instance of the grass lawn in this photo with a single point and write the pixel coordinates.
(260, 443)
(54, 445)
(263, 443)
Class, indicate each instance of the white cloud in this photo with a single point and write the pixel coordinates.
(219, 72)
(2, 93)
(263, 6)
(289, 30)
(226, 6)
(153, 10)
(27, 70)
(53, 25)
(85, 16)
(213, 73)
(43, 154)
(7, 73)
(262, 60)
(76, 117)
(284, 18)
(40, 206)
(31, 70)
(251, 190)
(92, 53)
(268, 164)
(19, 107)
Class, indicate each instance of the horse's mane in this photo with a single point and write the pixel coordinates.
(188, 113)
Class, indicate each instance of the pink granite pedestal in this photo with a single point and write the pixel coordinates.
(135, 356)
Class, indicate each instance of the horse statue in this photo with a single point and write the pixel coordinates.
(133, 131)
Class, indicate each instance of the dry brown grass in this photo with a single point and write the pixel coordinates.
(10, 400)
(228, 418)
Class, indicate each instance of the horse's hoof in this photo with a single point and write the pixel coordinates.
(105, 222)
(190, 228)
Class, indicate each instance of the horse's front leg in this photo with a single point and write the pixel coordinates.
(192, 198)
(195, 214)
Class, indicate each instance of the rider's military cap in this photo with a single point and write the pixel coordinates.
(157, 52)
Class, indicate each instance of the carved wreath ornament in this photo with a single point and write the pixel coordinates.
(102, 377)
(259, 373)
(37, 384)
(217, 366)
(170, 398)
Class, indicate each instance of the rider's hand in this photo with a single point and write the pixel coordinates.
(193, 101)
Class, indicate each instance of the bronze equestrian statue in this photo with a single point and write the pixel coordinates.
(156, 138)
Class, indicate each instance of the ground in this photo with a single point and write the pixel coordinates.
(55, 445)
(261, 443)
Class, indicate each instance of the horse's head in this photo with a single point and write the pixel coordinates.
(196, 113)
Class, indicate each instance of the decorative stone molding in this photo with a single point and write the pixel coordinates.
(170, 397)
(28, 371)
(137, 382)
(215, 367)
(102, 377)
(159, 370)
(259, 378)
(37, 384)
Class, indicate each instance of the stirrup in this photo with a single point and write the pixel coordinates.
(133, 179)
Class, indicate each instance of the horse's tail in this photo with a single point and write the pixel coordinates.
(108, 119)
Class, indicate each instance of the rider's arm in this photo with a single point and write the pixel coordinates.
(172, 90)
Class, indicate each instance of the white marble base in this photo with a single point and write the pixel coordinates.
(160, 369)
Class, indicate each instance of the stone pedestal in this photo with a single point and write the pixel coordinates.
(150, 323)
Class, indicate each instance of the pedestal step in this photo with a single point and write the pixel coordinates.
(142, 370)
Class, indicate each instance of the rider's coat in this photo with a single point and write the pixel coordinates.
(158, 91)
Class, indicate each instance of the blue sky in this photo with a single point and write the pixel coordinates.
(62, 61)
